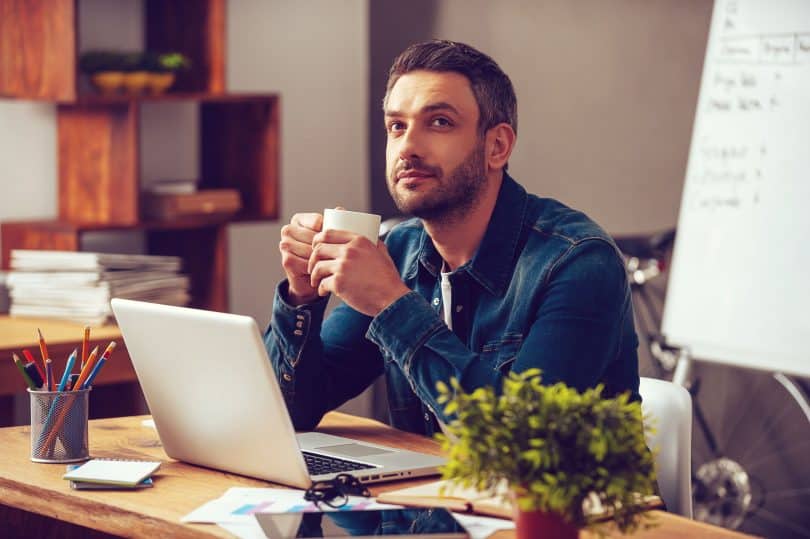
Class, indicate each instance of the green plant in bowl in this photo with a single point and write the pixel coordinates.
(173, 61)
(163, 67)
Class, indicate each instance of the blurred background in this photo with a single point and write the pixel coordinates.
(606, 100)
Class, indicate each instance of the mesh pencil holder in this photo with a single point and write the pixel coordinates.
(59, 426)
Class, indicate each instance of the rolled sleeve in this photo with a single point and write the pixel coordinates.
(403, 327)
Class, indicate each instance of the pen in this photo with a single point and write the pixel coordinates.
(85, 383)
(48, 375)
(43, 348)
(30, 358)
(85, 343)
(33, 373)
(87, 369)
(69, 367)
(19, 364)
(72, 381)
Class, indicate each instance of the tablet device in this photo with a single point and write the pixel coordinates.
(435, 523)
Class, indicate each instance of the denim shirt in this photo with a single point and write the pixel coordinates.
(546, 288)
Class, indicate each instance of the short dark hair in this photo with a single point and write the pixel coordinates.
(491, 87)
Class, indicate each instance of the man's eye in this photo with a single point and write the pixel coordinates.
(441, 122)
(395, 127)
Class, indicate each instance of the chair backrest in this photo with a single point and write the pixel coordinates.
(670, 408)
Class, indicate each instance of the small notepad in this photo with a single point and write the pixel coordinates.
(113, 472)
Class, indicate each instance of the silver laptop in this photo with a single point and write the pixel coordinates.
(216, 402)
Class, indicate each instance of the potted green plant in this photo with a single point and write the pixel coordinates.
(162, 69)
(134, 73)
(554, 447)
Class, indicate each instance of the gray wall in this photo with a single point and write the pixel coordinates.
(606, 95)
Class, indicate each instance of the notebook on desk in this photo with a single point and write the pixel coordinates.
(216, 402)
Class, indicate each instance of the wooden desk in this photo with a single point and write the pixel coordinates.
(36, 502)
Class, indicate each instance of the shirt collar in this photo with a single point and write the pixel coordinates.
(494, 260)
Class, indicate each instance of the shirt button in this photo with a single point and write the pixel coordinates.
(299, 316)
(435, 301)
(458, 308)
(298, 332)
(287, 377)
(299, 324)
(427, 417)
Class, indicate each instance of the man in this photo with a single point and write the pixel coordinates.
(484, 280)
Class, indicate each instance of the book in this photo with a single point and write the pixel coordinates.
(113, 472)
(83, 485)
(45, 260)
(78, 286)
(467, 500)
(172, 186)
(205, 202)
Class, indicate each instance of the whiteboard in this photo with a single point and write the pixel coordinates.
(739, 290)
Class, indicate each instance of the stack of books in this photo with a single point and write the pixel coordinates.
(78, 286)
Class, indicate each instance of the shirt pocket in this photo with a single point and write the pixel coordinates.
(501, 353)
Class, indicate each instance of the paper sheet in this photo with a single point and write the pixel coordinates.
(238, 505)
(233, 511)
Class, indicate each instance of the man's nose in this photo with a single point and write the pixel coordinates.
(410, 144)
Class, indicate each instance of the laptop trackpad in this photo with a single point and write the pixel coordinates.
(353, 450)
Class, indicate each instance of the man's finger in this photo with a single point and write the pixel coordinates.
(298, 232)
(295, 265)
(312, 221)
(323, 251)
(321, 270)
(326, 286)
(290, 245)
(333, 236)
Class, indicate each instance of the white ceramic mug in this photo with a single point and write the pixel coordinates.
(365, 224)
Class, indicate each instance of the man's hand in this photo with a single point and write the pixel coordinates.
(296, 249)
(359, 272)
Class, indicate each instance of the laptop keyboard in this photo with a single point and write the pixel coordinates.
(319, 464)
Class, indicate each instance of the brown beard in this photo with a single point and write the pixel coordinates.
(454, 195)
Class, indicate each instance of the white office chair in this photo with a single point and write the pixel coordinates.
(670, 407)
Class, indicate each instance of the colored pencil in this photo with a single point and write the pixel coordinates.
(85, 344)
(43, 348)
(19, 364)
(68, 368)
(88, 368)
(93, 374)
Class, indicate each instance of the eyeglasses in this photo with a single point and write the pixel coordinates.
(335, 492)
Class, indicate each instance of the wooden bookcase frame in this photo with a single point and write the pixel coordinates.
(98, 136)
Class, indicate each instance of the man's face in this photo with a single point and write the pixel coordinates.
(434, 156)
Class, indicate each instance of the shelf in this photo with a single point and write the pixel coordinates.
(99, 147)
(200, 97)
(39, 45)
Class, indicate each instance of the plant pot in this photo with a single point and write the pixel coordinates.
(160, 82)
(108, 82)
(136, 82)
(538, 524)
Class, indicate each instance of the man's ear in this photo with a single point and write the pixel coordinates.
(499, 143)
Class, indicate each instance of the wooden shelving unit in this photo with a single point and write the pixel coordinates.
(98, 136)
